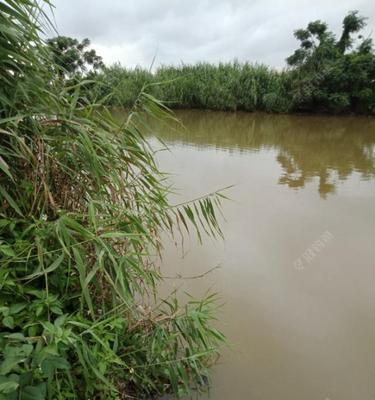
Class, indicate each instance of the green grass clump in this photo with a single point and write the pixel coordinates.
(82, 209)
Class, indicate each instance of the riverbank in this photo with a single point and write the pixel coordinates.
(237, 87)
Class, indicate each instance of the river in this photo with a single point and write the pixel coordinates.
(297, 267)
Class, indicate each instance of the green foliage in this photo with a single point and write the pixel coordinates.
(352, 23)
(119, 86)
(230, 86)
(82, 210)
(73, 56)
(326, 76)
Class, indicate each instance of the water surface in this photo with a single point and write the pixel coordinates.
(297, 267)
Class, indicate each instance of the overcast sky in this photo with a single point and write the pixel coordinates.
(174, 31)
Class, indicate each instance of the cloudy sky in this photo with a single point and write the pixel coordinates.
(133, 32)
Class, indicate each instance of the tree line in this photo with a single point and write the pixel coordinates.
(325, 74)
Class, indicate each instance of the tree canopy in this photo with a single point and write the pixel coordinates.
(74, 56)
(331, 74)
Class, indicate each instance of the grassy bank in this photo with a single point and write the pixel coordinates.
(82, 210)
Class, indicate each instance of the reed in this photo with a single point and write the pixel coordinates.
(227, 86)
(83, 206)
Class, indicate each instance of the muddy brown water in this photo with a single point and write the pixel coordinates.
(297, 267)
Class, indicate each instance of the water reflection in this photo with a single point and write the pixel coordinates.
(308, 148)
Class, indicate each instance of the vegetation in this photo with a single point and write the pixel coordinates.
(324, 74)
(227, 86)
(82, 209)
(327, 76)
(72, 56)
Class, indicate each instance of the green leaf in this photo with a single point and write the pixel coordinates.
(8, 322)
(33, 392)
(5, 168)
(10, 200)
(26, 378)
(56, 310)
(17, 336)
(51, 364)
(8, 386)
(7, 250)
(16, 308)
(60, 321)
(47, 270)
(4, 310)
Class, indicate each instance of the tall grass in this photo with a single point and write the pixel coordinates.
(230, 86)
(82, 209)
(227, 86)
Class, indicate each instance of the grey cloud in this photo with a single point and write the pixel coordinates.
(133, 31)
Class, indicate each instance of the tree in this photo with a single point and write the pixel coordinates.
(328, 74)
(74, 56)
(314, 39)
(352, 23)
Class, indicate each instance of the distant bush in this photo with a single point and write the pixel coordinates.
(333, 75)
